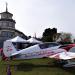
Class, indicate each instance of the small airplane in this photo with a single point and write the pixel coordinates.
(37, 51)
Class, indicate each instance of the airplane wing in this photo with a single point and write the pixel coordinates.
(18, 52)
(63, 55)
(26, 50)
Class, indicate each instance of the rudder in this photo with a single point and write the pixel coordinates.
(8, 48)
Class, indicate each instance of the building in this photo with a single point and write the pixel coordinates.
(7, 27)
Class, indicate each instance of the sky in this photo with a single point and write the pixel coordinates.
(34, 16)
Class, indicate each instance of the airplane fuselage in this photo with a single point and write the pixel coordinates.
(36, 52)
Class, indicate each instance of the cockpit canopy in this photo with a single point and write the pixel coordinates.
(48, 45)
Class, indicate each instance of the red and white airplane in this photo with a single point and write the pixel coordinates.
(38, 51)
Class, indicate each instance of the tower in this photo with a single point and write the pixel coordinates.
(7, 27)
(6, 20)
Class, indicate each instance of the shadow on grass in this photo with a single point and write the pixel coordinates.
(30, 66)
(24, 67)
(70, 70)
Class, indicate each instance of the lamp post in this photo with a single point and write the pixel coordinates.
(8, 67)
(8, 70)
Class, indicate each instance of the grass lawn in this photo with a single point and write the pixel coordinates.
(43, 66)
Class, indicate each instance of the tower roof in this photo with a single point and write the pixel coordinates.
(6, 11)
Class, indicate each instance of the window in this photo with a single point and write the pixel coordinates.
(42, 46)
(7, 34)
(47, 45)
(10, 24)
(5, 24)
(53, 44)
(1, 24)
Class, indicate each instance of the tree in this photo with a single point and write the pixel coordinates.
(49, 35)
(65, 37)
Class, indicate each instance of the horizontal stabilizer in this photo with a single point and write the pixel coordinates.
(63, 55)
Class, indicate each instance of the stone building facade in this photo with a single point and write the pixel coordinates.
(7, 27)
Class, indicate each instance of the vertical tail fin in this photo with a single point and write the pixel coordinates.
(8, 48)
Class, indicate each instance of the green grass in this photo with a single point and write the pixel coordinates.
(43, 66)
